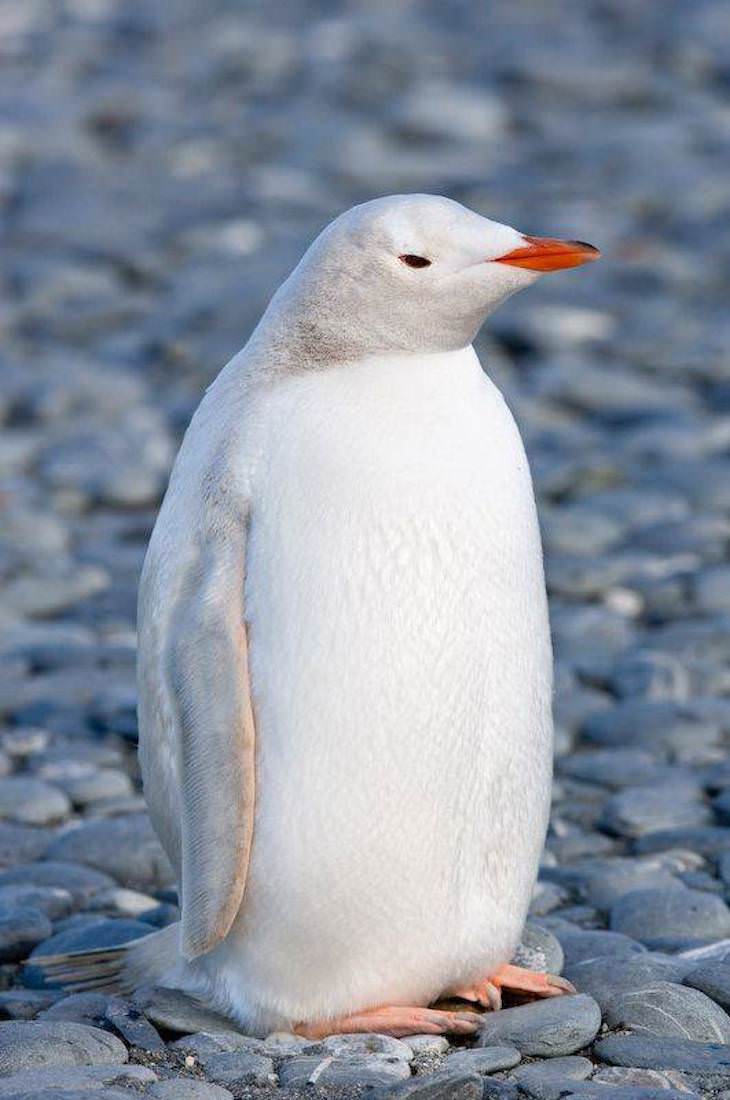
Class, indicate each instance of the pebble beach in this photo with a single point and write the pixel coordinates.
(163, 165)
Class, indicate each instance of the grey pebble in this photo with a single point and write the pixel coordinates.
(366, 1043)
(666, 1008)
(81, 1008)
(26, 1004)
(20, 930)
(356, 1069)
(36, 1043)
(239, 1068)
(125, 847)
(84, 1079)
(582, 945)
(546, 1080)
(539, 949)
(186, 1088)
(81, 882)
(51, 900)
(610, 977)
(174, 1011)
(671, 918)
(641, 810)
(31, 801)
(559, 1025)
(442, 1085)
(713, 979)
(652, 1052)
(488, 1059)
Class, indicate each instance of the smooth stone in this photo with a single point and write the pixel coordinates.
(587, 1090)
(559, 1025)
(19, 845)
(35, 1043)
(610, 977)
(441, 1085)
(96, 784)
(84, 1079)
(25, 1004)
(125, 847)
(654, 1052)
(640, 810)
(20, 930)
(651, 1078)
(712, 979)
(427, 1044)
(708, 840)
(203, 1044)
(174, 1011)
(284, 1044)
(32, 802)
(341, 1046)
(579, 946)
(186, 1088)
(615, 768)
(96, 933)
(80, 1008)
(648, 724)
(482, 1060)
(543, 1080)
(539, 949)
(609, 880)
(357, 1069)
(239, 1068)
(670, 918)
(129, 903)
(81, 882)
(51, 900)
(670, 1009)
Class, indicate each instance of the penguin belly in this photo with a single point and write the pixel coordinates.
(401, 674)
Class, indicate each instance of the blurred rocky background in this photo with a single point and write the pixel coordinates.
(163, 163)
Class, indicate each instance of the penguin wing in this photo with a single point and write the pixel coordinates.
(208, 670)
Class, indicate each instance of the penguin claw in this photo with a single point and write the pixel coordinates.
(395, 1020)
(515, 979)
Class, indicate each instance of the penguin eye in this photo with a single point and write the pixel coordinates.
(415, 261)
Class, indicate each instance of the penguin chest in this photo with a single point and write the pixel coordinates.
(400, 658)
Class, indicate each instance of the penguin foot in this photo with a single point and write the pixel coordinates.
(515, 979)
(395, 1020)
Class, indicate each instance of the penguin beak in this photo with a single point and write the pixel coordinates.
(549, 254)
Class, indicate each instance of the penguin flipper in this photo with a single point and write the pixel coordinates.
(208, 672)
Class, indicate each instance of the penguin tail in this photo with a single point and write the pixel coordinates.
(120, 969)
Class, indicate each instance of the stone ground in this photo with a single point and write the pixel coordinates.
(162, 165)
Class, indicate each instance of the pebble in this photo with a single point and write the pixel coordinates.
(443, 1085)
(355, 1069)
(666, 1008)
(174, 1011)
(239, 1068)
(51, 900)
(20, 930)
(124, 847)
(28, 1045)
(672, 918)
(31, 801)
(185, 1088)
(81, 882)
(546, 1080)
(487, 1059)
(559, 1025)
(608, 978)
(653, 1052)
(80, 1080)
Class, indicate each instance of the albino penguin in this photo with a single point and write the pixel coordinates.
(344, 656)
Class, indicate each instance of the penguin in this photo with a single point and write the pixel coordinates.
(345, 667)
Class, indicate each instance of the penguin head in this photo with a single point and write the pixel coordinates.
(414, 273)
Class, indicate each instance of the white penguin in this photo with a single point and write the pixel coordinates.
(344, 656)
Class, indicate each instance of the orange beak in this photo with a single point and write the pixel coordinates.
(548, 254)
